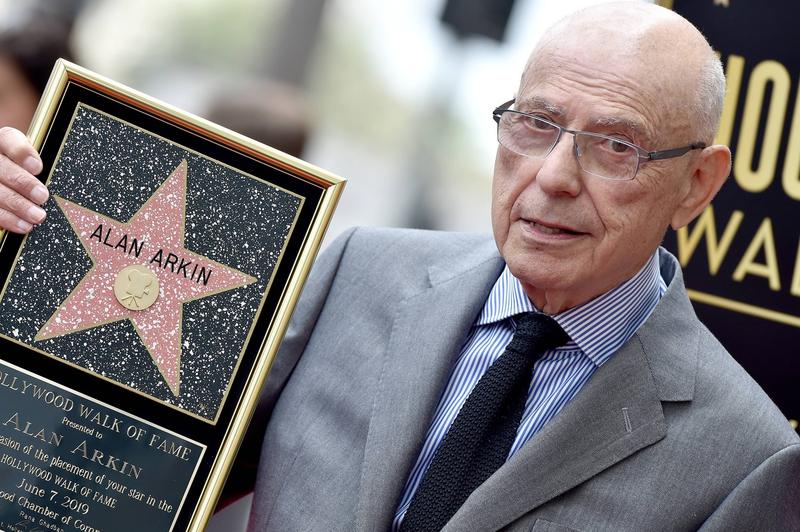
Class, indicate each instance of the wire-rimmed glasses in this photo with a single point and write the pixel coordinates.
(597, 154)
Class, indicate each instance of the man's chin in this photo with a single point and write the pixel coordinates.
(541, 278)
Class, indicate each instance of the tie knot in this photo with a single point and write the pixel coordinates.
(537, 332)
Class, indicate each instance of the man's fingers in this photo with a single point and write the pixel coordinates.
(21, 181)
(14, 145)
(20, 191)
(13, 223)
(21, 208)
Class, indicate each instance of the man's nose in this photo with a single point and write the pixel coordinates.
(560, 172)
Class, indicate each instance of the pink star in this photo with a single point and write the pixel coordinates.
(154, 238)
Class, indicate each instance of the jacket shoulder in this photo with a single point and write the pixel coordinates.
(741, 404)
(419, 243)
(391, 255)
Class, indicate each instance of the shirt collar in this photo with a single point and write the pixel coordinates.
(596, 331)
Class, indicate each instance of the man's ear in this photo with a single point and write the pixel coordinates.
(710, 172)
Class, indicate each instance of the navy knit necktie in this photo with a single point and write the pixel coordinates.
(480, 438)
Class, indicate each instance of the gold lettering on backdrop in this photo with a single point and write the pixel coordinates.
(733, 76)
(795, 287)
(758, 179)
(791, 162)
(765, 240)
(763, 130)
(768, 80)
(706, 226)
(704, 230)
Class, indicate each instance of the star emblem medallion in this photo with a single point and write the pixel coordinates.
(136, 287)
(141, 271)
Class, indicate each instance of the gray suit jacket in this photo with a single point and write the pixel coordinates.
(669, 434)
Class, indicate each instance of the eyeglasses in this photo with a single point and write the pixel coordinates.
(609, 157)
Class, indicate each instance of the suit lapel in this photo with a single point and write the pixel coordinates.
(426, 337)
(617, 413)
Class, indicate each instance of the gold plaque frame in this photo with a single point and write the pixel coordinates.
(306, 197)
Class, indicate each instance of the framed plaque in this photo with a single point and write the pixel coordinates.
(139, 321)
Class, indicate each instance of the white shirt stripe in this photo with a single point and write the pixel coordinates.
(597, 329)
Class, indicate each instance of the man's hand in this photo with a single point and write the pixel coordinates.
(20, 192)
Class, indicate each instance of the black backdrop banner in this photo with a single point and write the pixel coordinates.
(741, 257)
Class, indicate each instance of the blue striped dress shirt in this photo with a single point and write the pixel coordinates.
(597, 329)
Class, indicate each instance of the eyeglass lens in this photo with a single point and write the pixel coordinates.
(597, 154)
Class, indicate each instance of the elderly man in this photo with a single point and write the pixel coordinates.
(427, 382)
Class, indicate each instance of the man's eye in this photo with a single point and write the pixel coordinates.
(617, 147)
(539, 125)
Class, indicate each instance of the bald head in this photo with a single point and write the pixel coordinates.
(658, 48)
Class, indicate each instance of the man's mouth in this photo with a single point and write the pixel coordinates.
(551, 229)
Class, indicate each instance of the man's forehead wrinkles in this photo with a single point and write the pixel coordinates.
(638, 128)
(613, 84)
(618, 99)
